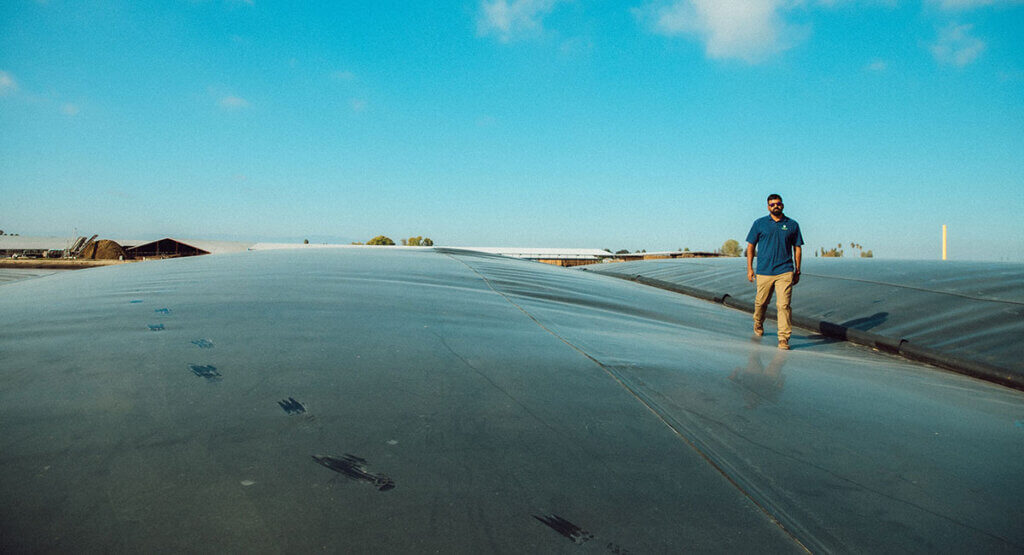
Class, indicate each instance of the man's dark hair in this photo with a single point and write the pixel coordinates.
(773, 196)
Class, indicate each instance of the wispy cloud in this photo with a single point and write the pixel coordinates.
(358, 104)
(970, 4)
(956, 46)
(69, 109)
(7, 83)
(513, 19)
(750, 30)
(232, 102)
(343, 75)
(877, 66)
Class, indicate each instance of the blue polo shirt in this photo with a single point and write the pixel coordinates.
(775, 241)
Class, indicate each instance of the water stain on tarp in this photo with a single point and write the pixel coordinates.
(566, 528)
(205, 371)
(354, 468)
(291, 406)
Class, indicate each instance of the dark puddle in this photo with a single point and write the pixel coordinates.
(291, 406)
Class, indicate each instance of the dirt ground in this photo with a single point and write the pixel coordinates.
(56, 263)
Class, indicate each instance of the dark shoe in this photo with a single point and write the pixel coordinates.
(758, 329)
(784, 344)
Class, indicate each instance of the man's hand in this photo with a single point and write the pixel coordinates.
(796, 277)
(750, 262)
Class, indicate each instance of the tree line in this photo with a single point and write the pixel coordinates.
(383, 240)
(837, 251)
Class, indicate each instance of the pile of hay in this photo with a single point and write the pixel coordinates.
(104, 249)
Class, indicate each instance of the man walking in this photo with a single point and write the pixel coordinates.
(778, 241)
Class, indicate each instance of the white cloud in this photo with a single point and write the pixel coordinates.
(343, 75)
(750, 30)
(69, 109)
(232, 102)
(877, 65)
(7, 83)
(956, 46)
(358, 104)
(511, 19)
(970, 4)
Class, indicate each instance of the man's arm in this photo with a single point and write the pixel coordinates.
(797, 252)
(750, 262)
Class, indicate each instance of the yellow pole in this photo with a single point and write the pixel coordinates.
(943, 241)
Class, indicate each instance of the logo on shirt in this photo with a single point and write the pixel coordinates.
(784, 228)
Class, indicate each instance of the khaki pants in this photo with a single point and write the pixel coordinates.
(782, 285)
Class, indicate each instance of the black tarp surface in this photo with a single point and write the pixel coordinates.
(369, 400)
(961, 311)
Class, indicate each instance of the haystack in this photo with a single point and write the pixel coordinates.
(104, 249)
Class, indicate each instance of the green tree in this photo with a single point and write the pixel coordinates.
(418, 241)
(305, 241)
(731, 248)
(622, 251)
(380, 240)
(867, 254)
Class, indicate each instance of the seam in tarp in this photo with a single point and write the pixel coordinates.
(898, 346)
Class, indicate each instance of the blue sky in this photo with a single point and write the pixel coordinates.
(574, 123)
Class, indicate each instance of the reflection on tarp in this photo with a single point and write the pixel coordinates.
(967, 317)
(759, 381)
(401, 401)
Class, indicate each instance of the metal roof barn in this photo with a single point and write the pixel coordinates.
(169, 247)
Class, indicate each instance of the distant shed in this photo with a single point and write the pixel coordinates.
(164, 248)
(554, 256)
(168, 247)
(629, 257)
